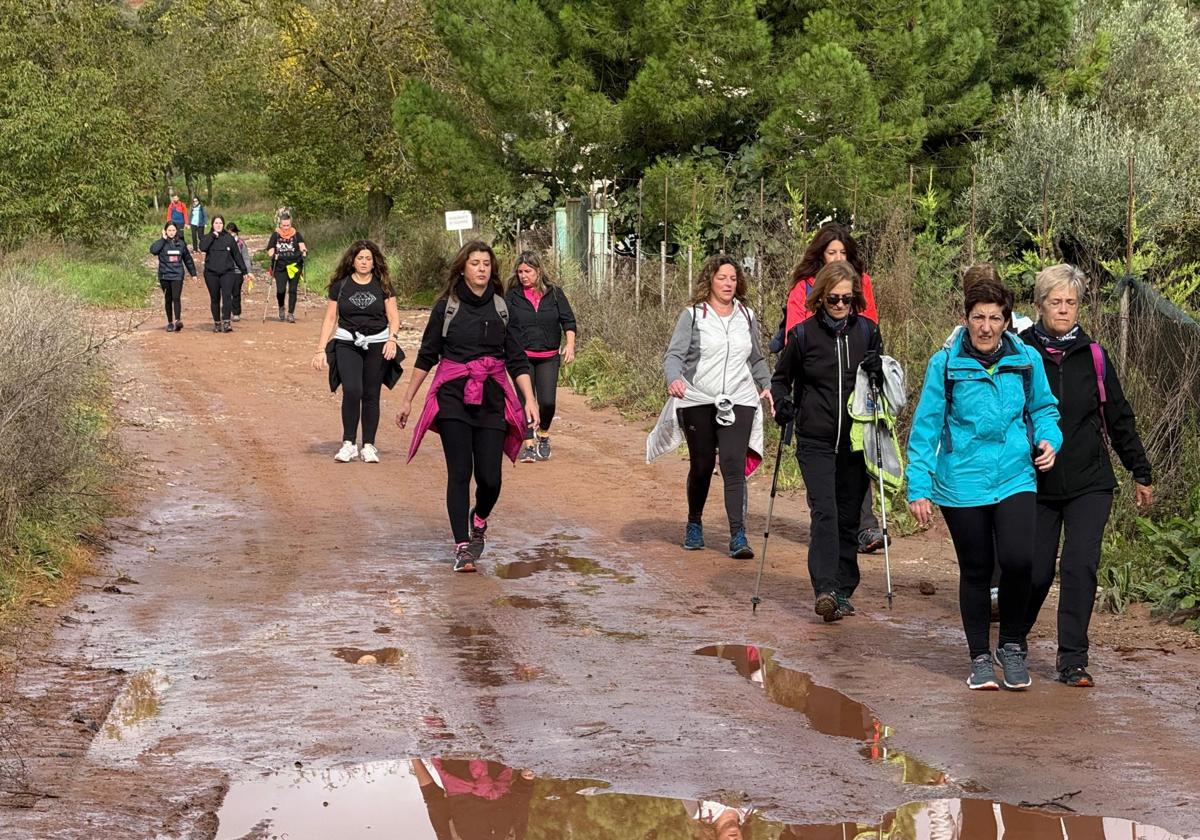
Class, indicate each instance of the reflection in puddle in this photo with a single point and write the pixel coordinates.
(551, 558)
(828, 710)
(379, 656)
(474, 799)
(480, 655)
(138, 701)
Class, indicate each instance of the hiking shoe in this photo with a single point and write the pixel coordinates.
(844, 605)
(827, 607)
(543, 448)
(226, 326)
(291, 318)
(529, 454)
(739, 546)
(347, 453)
(464, 561)
(995, 605)
(1076, 676)
(282, 314)
(171, 327)
(216, 326)
(983, 674)
(693, 536)
(370, 454)
(478, 538)
(237, 317)
(870, 540)
(1012, 660)
(178, 326)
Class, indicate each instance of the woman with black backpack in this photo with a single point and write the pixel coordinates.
(471, 402)
(1075, 496)
(541, 316)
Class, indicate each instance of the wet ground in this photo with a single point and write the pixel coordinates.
(272, 638)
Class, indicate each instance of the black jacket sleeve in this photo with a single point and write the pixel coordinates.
(788, 368)
(187, 259)
(206, 242)
(431, 340)
(1122, 427)
(157, 245)
(566, 315)
(515, 357)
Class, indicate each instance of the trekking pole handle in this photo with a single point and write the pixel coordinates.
(786, 437)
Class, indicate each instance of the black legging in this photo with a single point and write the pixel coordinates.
(982, 536)
(545, 389)
(1080, 522)
(197, 235)
(362, 380)
(285, 285)
(704, 437)
(220, 293)
(172, 298)
(237, 295)
(468, 451)
(835, 483)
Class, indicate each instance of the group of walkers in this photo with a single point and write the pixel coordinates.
(1010, 430)
(227, 263)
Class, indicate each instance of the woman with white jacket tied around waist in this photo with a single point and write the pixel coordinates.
(716, 376)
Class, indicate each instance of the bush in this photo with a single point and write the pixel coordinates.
(57, 454)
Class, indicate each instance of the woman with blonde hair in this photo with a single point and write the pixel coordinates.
(814, 378)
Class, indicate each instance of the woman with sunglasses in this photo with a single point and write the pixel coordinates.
(813, 380)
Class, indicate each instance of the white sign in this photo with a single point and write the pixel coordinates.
(459, 220)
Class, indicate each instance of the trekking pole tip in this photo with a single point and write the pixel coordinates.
(754, 602)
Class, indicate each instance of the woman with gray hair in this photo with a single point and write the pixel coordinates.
(1075, 496)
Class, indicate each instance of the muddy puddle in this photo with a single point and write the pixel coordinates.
(360, 656)
(473, 798)
(138, 702)
(555, 558)
(830, 712)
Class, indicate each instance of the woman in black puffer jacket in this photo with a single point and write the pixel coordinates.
(1076, 495)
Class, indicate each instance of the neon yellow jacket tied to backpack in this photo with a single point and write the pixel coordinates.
(873, 422)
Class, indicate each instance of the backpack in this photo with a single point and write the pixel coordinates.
(1100, 367)
(452, 306)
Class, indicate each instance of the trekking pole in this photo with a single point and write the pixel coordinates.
(887, 540)
(267, 291)
(785, 436)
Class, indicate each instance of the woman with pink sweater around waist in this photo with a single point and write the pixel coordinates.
(471, 402)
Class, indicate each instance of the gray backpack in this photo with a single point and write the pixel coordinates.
(452, 310)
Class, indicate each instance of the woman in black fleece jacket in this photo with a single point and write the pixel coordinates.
(1076, 495)
(222, 262)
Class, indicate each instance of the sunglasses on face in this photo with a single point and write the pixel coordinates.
(844, 300)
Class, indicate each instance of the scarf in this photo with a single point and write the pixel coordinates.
(988, 360)
(835, 324)
(1056, 346)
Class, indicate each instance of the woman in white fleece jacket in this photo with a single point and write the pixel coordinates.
(717, 375)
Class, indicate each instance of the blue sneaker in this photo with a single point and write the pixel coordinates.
(739, 547)
(1011, 659)
(693, 537)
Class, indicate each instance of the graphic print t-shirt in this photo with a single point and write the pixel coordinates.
(286, 250)
(360, 307)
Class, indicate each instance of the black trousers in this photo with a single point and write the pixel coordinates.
(197, 235)
(220, 293)
(470, 451)
(984, 535)
(285, 285)
(835, 484)
(545, 391)
(1080, 524)
(172, 298)
(704, 437)
(237, 295)
(362, 382)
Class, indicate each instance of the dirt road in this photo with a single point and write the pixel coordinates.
(207, 682)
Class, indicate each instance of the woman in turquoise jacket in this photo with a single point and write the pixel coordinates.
(971, 451)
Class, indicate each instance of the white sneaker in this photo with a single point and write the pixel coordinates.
(347, 453)
(370, 454)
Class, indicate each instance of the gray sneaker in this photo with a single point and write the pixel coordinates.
(543, 448)
(1012, 660)
(983, 674)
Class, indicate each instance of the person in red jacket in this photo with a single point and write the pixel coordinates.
(832, 243)
(177, 212)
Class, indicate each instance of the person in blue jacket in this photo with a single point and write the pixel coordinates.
(986, 422)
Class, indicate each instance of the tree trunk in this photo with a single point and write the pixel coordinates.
(167, 185)
(208, 180)
(379, 206)
(191, 186)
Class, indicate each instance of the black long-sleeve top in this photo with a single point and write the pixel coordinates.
(222, 254)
